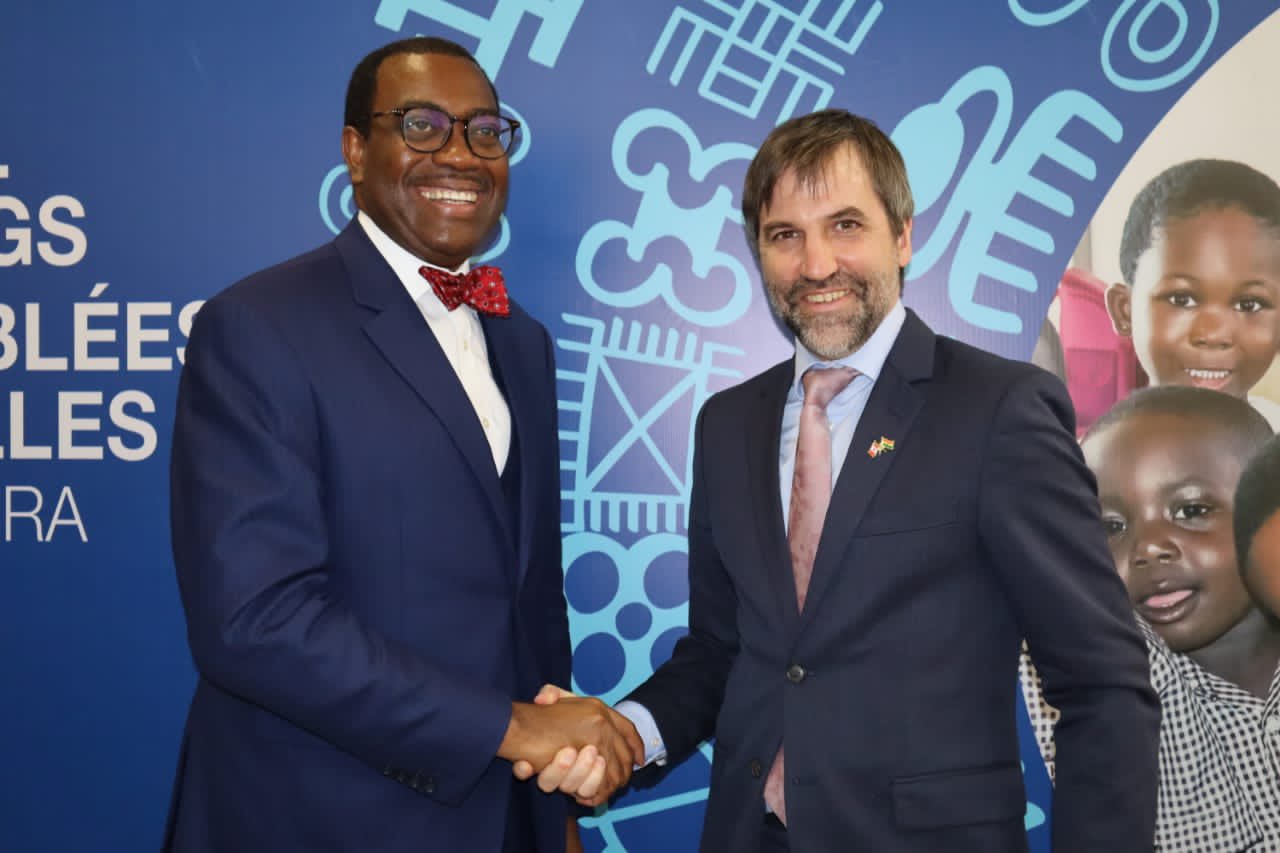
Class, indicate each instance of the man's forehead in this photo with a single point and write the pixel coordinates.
(439, 78)
(841, 169)
(838, 178)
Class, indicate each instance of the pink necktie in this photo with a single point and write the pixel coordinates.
(810, 496)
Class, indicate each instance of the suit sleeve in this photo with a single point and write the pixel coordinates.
(265, 622)
(1041, 526)
(685, 694)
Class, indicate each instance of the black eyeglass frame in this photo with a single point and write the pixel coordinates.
(402, 112)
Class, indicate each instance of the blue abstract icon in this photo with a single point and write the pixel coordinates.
(496, 32)
(586, 556)
(978, 216)
(1159, 39)
(610, 665)
(715, 276)
(629, 396)
(763, 44)
(337, 206)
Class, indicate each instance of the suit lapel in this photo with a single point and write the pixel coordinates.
(764, 435)
(508, 362)
(398, 330)
(890, 412)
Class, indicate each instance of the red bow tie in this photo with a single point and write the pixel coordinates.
(482, 289)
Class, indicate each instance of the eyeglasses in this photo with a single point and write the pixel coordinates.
(426, 129)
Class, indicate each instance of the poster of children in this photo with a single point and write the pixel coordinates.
(1169, 324)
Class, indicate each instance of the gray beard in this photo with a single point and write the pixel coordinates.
(832, 338)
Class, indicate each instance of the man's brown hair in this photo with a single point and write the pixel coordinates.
(806, 145)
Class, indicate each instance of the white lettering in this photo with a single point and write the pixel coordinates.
(136, 334)
(58, 228)
(83, 335)
(68, 500)
(136, 426)
(36, 361)
(10, 513)
(69, 424)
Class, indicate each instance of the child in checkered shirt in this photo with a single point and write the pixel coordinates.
(1168, 461)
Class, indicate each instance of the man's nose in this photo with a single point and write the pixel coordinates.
(819, 261)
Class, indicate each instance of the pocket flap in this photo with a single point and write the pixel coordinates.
(958, 797)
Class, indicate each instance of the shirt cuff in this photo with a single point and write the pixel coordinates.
(655, 751)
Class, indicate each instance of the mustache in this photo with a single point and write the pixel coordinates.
(860, 285)
(476, 179)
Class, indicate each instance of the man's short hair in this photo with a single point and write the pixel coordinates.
(806, 145)
(363, 86)
(1247, 427)
(1191, 188)
(1257, 498)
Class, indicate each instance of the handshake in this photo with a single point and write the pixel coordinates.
(575, 744)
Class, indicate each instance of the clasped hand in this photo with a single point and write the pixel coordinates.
(576, 744)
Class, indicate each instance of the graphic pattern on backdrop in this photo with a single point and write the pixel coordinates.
(658, 217)
(762, 44)
(932, 137)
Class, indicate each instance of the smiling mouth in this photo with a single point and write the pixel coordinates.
(1166, 607)
(1208, 378)
(825, 296)
(449, 195)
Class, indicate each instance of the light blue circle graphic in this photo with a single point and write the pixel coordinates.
(1143, 21)
(337, 205)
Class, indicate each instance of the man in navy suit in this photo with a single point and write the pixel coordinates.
(365, 515)
(869, 702)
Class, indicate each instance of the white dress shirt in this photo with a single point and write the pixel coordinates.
(460, 336)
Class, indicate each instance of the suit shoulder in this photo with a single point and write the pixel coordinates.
(752, 392)
(288, 282)
(968, 364)
(526, 321)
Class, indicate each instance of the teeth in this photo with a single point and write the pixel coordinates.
(830, 296)
(1208, 374)
(450, 195)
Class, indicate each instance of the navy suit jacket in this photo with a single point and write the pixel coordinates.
(361, 606)
(895, 689)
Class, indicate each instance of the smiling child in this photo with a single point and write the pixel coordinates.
(1200, 258)
(1168, 461)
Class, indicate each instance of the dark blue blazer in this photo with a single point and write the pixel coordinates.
(363, 598)
(895, 690)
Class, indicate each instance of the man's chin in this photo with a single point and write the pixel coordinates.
(830, 340)
(828, 349)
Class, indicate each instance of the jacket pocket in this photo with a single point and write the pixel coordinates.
(959, 797)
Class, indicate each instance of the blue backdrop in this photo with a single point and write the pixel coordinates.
(153, 152)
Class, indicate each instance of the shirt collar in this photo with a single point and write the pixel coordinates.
(867, 359)
(406, 265)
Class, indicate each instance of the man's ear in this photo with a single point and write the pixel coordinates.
(353, 147)
(1119, 308)
(904, 244)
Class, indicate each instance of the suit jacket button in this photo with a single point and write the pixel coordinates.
(756, 769)
(428, 785)
(795, 673)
